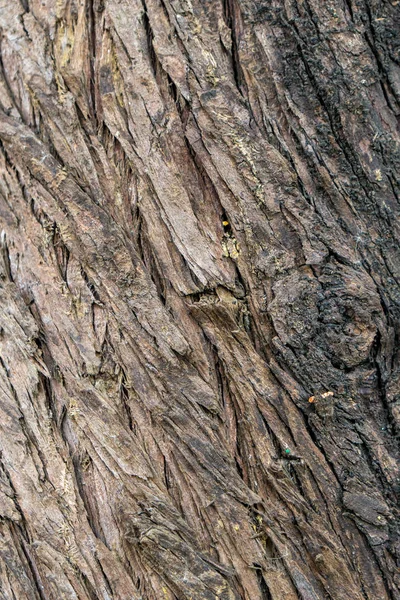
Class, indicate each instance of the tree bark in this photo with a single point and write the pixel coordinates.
(199, 343)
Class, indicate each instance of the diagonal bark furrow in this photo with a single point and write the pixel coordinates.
(199, 303)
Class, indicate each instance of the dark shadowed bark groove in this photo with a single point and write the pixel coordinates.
(199, 299)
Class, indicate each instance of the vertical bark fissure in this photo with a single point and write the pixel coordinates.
(199, 300)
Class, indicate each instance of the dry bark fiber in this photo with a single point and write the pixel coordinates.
(199, 299)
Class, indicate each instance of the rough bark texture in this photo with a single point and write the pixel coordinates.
(199, 308)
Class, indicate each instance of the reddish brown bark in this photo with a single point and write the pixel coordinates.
(199, 307)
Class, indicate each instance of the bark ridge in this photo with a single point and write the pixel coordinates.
(199, 299)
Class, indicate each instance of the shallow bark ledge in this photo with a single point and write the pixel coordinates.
(199, 299)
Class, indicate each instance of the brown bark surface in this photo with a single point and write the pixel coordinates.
(199, 299)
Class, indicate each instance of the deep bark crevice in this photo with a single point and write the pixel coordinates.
(199, 304)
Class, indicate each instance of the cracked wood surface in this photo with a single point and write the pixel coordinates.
(199, 299)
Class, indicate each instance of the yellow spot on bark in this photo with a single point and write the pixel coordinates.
(230, 247)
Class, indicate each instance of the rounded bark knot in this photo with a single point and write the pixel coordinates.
(331, 320)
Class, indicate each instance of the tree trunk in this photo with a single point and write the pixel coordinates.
(199, 205)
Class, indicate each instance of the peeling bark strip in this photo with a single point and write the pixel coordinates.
(199, 299)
